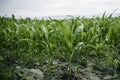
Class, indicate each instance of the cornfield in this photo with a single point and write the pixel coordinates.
(76, 41)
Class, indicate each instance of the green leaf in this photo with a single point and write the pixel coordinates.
(1, 58)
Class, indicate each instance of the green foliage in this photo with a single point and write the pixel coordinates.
(64, 39)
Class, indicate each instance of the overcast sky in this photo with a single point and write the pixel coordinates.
(35, 8)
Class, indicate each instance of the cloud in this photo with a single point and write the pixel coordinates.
(32, 8)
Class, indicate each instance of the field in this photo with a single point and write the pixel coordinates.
(77, 48)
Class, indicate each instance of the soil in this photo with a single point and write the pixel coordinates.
(59, 71)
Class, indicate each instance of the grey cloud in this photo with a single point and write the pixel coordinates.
(56, 7)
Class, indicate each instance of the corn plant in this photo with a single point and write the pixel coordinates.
(70, 34)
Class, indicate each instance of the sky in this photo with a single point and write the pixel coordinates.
(41, 8)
